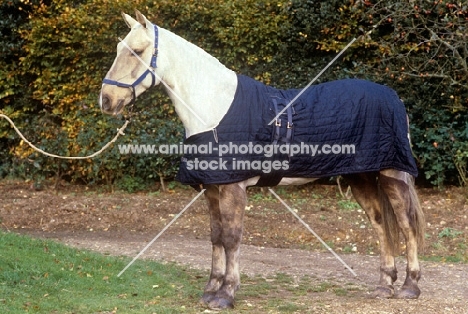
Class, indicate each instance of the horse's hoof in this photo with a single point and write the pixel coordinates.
(207, 297)
(220, 304)
(383, 292)
(408, 292)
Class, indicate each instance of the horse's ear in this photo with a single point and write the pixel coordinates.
(140, 18)
(130, 21)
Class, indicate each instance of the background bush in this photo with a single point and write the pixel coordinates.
(54, 55)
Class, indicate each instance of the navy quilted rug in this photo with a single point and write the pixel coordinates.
(335, 128)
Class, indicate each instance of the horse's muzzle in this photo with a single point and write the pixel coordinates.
(108, 107)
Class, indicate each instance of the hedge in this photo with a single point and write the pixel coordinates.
(54, 55)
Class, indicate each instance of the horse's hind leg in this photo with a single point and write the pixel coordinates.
(227, 205)
(365, 190)
(399, 189)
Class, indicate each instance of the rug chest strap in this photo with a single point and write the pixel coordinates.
(277, 138)
(277, 126)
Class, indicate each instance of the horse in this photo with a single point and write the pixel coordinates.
(203, 91)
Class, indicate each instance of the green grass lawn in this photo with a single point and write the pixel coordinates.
(39, 276)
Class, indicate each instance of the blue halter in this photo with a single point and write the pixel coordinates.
(153, 65)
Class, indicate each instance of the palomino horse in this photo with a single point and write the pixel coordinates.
(202, 91)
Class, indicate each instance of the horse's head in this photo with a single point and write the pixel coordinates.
(133, 69)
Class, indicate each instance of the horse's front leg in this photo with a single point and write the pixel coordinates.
(218, 260)
(226, 233)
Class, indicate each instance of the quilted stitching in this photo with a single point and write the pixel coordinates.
(365, 114)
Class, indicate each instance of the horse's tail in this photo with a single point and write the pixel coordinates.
(415, 216)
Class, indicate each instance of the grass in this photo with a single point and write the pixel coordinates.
(348, 205)
(447, 246)
(449, 233)
(41, 276)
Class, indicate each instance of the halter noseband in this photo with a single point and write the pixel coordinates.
(153, 65)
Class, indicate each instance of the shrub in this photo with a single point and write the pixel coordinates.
(54, 55)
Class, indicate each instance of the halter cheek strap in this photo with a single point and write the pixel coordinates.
(153, 65)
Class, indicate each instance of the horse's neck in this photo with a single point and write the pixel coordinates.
(204, 87)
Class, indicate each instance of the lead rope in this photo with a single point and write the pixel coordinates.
(119, 133)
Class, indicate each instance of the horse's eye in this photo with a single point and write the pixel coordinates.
(138, 51)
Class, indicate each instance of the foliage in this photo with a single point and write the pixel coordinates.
(14, 14)
(422, 51)
(54, 55)
(418, 48)
(65, 86)
(242, 34)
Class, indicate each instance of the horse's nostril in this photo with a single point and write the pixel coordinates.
(105, 103)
